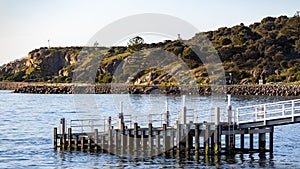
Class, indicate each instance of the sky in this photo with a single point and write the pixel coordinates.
(26, 25)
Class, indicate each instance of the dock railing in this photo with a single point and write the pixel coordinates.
(268, 111)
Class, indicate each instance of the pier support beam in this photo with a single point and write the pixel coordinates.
(116, 141)
(262, 142)
(206, 139)
(150, 140)
(135, 139)
(171, 142)
(123, 139)
(157, 142)
(82, 142)
(96, 140)
(69, 138)
(187, 140)
(271, 140)
(165, 140)
(197, 140)
(75, 142)
(217, 135)
(251, 141)
(242, 141)
(129, 142)
(178, 139)
(55, 138)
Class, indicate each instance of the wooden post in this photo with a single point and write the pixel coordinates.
(183, 111)
(197, 139)
(116, 142)
(123, 139)
(55, 138)
(178, 139)
(120, 116)
(157, 144)
(165, 141)
(82, 143)
(62, 131)
(129, 143)
(89, 143)
(62, 126)
(212, 142)
(150, 140)
(135, 139)
(271, 140)
(251, 141)
(262, 142)
(231, 142)
(171, 142)
(75, 142)
(206, 139)
(143, 143)
(217, 136)
(109, 140)
(167, 116)
(187, 140)
(242, 142)
(63, 141)
(96, 140)
(102, 143)
(69, 138)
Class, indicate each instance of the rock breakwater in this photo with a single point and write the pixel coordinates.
(264, 90)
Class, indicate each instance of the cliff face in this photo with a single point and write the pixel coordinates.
(267, 50)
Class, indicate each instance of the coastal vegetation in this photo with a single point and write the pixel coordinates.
(268, 50)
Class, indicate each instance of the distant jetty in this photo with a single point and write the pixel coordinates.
(68, 88)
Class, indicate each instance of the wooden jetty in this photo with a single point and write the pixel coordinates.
(250, 127)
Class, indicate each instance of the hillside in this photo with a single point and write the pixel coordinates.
(268, 50)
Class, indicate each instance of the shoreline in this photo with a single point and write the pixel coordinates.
(69, 88)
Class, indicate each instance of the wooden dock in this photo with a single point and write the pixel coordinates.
(190, 139)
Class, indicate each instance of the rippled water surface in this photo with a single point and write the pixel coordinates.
(27, 122)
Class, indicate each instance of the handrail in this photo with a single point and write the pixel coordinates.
(268, 111)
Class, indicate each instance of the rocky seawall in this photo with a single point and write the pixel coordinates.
(263, 90)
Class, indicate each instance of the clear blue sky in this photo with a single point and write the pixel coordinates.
(28, 24)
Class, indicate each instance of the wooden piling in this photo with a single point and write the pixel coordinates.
(206, 139)
(143, 143)
(63, 142)
(262, 142)
(212, 142)
(251, 141)
(135, 139)
(109, 140)
(69, 138)
(178, 139)
(62, 130)
(171, 142)
(150, 139)
(165, 140)
(217, 136)
(157, 142)
(62, 126)
(103, 143)
(96, 140)
(82, 142)
(55, 138)
(75, 142)
(89, 143)
(271, 140)
(123, 139)
(187, 140)
(197, 139)
(116, 141)
(242, 142)
(129, 142)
